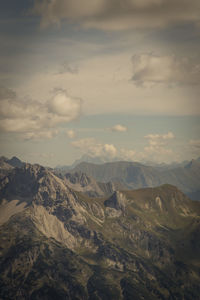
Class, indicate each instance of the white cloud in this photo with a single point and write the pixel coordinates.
(157, 149)
(117, 14)
(151, 69)
(71, 134)
(157, 146)
(35, 119)
(95, 148)
(160, 137)
(118, 128)
(64, 106)
(128, 155)
(110, 150)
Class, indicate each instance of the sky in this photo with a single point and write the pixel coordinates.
(113, 79)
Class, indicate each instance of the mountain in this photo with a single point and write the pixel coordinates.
(135, 175)
(83, 183)
(131, 173)
(84, 158)
(6, 165)
(57, 243)
(15, 162)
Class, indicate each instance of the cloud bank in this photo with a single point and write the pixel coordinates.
(95, 148)
(157, 149)
(157, 146)
(35, 119)
(117, 14)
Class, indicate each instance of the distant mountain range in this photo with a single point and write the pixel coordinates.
(133, 175)
(86, 158)
(58, 243)
(102, 160)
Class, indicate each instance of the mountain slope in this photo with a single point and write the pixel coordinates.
(60, 244)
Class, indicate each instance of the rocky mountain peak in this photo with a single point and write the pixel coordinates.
(78, 178)
(30, 181)
(116, 201)
(15, 162)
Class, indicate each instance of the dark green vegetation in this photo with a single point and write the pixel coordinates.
(56, 243)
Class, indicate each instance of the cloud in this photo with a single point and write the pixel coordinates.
(67, 68)
(118, 128)
(95, 148)
(157, 146)
(156, 150)
(117, 14)
(128, 155)
(157, 138)
(152, 69)
(64, 107)
(34, 118)
(71, 134)
(110, 150)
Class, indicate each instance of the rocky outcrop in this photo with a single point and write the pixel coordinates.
(116, 201)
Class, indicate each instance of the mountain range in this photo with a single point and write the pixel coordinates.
(60, 243)
(133, 175)
(104, 178)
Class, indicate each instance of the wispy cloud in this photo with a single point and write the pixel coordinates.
(40, 135)
(154, 69)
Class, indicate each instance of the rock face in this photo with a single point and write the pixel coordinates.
(57, 243)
